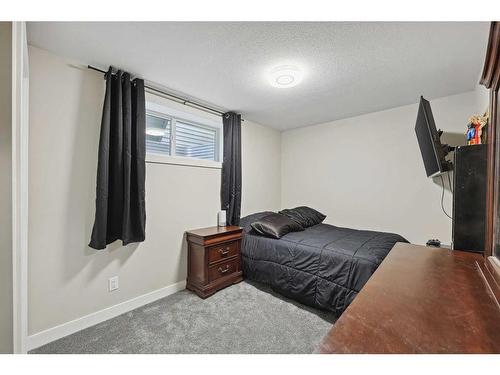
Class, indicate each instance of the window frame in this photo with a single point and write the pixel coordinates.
(174, 115)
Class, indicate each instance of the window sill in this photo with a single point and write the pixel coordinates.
(189, 162)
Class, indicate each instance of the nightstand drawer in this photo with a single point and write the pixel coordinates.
(223, 269)
(223, 251)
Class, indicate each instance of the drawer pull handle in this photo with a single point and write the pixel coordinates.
(223, 252)
(224, 270)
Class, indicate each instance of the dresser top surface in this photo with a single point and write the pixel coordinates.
(420, 300)
(214, 231)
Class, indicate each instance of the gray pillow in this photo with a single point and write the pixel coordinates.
(305, 216)
(246, 222)
(275, 225)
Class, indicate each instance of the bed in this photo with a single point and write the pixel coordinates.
(323, 266)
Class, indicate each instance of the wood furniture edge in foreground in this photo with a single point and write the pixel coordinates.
(490, 271)
(420, 300)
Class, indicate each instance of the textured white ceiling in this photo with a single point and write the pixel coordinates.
(350, 68)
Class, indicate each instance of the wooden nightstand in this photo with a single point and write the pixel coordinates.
(214, 260)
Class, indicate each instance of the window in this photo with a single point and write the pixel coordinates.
(173, 136)
(158, 134)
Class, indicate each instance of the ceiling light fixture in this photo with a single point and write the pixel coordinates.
(285, 76)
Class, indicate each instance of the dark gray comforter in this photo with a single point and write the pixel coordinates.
(323, 266)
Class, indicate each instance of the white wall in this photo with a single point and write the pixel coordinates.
(5, 187)
(367, 172)
(67, 279)
(261, 168)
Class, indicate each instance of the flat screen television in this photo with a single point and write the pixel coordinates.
(432, 150)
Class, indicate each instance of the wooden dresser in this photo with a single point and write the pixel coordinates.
(214, 259)
(420, 300)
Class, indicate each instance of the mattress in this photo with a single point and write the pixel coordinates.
(323, 266)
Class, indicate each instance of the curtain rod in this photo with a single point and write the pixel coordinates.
(172, 97)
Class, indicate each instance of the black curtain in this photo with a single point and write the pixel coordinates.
(120, 193)
(231, 168)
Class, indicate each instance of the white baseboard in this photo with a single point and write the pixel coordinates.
(65, 329)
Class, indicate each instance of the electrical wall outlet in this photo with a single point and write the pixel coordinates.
(112, 283)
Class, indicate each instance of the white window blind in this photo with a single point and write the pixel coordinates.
(195, 141)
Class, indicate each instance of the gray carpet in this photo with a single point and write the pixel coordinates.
(243, 318)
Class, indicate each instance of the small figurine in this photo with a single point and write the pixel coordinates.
(474, 134)
(471, 132)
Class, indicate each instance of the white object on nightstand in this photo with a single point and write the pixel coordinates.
(221, 218)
